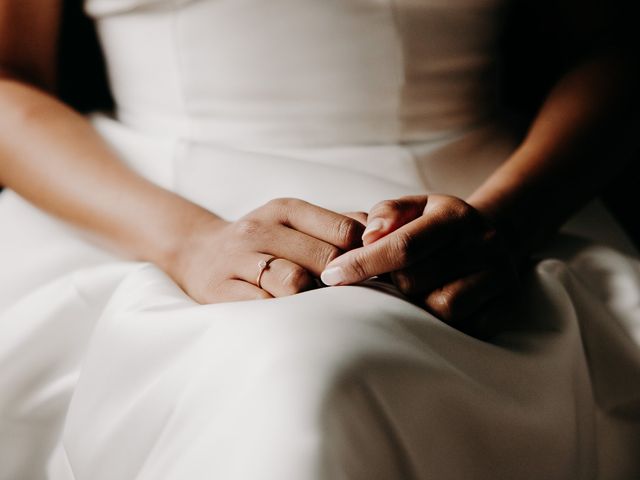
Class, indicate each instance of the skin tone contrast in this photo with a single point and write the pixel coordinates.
(51, 156)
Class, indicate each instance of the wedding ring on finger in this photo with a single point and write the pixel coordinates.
(262, 266)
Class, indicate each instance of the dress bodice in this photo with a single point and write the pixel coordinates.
(300, 72)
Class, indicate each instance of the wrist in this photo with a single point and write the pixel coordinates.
(181, 228)
(508, 225)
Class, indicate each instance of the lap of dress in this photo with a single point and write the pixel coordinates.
(110, 366)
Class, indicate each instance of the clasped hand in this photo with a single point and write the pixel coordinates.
(439, 251)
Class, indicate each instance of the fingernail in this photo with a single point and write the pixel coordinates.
(332, 276)
(374, 225)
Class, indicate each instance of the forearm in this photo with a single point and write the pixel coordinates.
(579, 140)
(52, 156)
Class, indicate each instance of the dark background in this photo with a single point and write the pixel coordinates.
(530, 64)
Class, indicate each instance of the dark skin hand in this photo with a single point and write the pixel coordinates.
(440, 252)
(456, 256)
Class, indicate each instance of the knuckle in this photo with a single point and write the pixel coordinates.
(388, 207)
(275, 206)
(283, 202)
(295, 280)
(404, 249)
(247, 227)
(326, 255)
(445, 304)
(360, 217)
(269, 206)
(281, 208)
(274, 203)
(359, 266)
(459, 209)
(405, 282)
(348, 231)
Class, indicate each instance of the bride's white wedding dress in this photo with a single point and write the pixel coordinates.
(109, 371)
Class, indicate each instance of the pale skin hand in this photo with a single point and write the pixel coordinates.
(219, 260)
(52, 157)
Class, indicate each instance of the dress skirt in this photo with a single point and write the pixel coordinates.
(109, 371)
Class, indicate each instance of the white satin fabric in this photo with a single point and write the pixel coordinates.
(108, 371)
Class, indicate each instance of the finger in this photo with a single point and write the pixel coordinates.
(360, 217)
(280, 278)
(280, 241)
(437, 270)
(318, 222)
(471, 254)
(233, 290)
(389, 215)
(457, 300)
(412, 242)
(286, 278)
(283, 242)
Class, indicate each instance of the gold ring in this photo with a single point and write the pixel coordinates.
(262, 266)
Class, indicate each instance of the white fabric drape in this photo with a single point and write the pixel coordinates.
(108, 371)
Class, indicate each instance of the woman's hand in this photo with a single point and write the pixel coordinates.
(441, 252)
(218, 261)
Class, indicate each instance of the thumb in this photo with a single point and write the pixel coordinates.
(386, 255)
(389, 215)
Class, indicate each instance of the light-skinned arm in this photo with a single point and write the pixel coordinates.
(51, 156)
